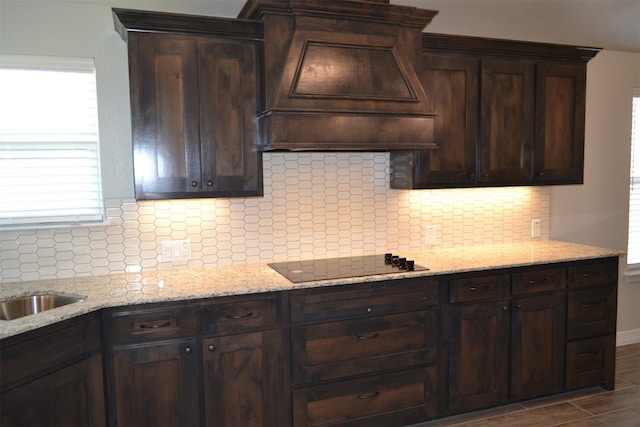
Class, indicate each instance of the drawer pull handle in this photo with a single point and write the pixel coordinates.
(187, 350)
(479, 288)
(155, 325)
(533, 282)
(211, 347)
(588, 275)
(365, 337)
(239, 316)
(589, 354)
(589, 305)
(363, 396)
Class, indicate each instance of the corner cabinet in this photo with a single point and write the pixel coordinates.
(195, 93)
(508, 113)
(52, 376)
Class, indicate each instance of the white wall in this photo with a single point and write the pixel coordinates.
(597, 212)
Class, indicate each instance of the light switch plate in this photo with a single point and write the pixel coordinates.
(176, 250)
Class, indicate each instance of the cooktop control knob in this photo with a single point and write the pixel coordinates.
(410, 266)
(402, 263)
(387, 258)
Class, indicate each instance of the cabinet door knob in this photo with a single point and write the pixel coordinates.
(472, 176)
(505, 308)
(187, 350)
(194, 183)
(209, 183)
(519, 305)
(211, 347)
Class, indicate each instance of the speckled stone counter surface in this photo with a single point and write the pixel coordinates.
(159, 286)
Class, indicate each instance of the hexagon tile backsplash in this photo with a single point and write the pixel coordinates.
(315, 205)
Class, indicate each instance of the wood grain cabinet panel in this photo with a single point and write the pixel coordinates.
(452, 84)
(559, 121)
(156, 384)
(52, 376)
(350, 347)
(507, 113)
(478, 355)
(241, 380)
(537, 346)
(195, 94)
(506, 121)
(397, 399)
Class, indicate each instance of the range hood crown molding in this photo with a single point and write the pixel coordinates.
(343, 75)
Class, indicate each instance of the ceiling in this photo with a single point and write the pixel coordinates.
(608, 24)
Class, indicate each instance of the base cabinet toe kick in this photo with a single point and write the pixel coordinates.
(392, 352)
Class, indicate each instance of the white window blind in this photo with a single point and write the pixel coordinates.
(633, 250)
(49, 150)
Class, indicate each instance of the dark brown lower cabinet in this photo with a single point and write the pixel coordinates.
(241, 380)
(52, 376)
(71, 396)
(478, 355)
(156, 384)
(397, 399)
(196, 363)
(537, 346)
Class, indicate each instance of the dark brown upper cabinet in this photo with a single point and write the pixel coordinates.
(195, 93)
(343, 75)
(507, 113)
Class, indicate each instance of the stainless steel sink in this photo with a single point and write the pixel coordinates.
(18, 307)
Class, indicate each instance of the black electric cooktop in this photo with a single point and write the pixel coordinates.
(340, 268)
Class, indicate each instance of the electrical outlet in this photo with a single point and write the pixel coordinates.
(430, 234)
(535, 228)
(176, 250)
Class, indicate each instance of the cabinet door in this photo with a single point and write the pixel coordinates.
(156, 384)
(231, 162)
(506, 126)
(165, 117)
(537, 346)
(242, 384)
(452, 84)
(71, 396)
(478, 355)
(560, 111)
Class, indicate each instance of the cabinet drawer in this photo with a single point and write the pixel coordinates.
(239, 317)
(591, 362)
(593, 274)
(152, 324)
(357, 300)
(478, 288)
(397, 399)
(591, 312)
(539, 280)
(352, 347)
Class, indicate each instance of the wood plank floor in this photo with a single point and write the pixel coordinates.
(590, 407)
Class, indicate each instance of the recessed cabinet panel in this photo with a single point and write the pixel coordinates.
(506, 114)
(560, 111)
(164, 79)
(478, 355)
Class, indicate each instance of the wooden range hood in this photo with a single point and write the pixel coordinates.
(343, 75)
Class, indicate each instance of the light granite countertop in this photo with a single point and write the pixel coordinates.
(173, 285)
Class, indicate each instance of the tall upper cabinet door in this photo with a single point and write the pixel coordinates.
(506, 129)
(452, 84)
(231, 162)
(560, 120)
(164, 107)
